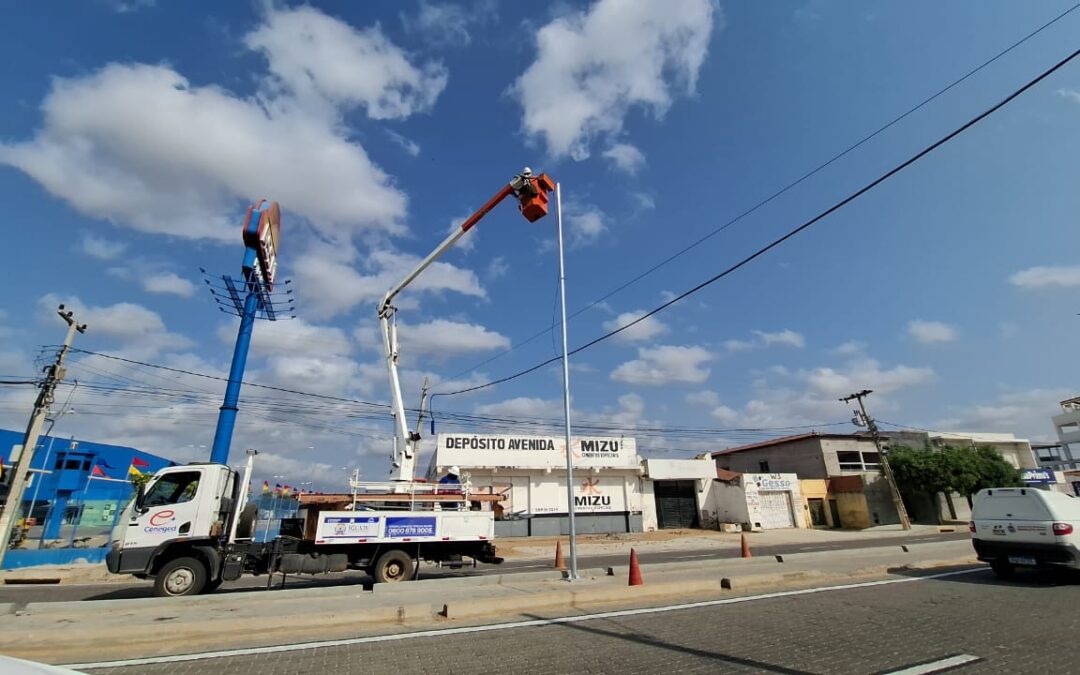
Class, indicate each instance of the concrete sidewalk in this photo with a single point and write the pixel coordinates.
(67, 632)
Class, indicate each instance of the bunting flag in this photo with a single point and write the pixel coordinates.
(98, 472)
(277, 489)
(285, 491)
(140, 462)
(266, 487)
(133, 472)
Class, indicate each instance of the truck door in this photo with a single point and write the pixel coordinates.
(170, 509)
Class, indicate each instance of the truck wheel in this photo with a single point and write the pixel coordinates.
(183, 576)
(1003, 569)
(394, 566)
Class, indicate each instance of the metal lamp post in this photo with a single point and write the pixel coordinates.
(566, 391)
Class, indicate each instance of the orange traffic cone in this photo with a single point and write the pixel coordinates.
(635, 571)
(560, 564)
(746, 548)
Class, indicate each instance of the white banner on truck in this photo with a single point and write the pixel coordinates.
(535, 452)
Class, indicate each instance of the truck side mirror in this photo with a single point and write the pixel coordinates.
(140, 497)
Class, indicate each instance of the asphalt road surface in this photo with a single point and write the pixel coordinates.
(21, 594)
(968, 622)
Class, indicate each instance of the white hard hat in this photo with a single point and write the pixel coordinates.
(454, 470)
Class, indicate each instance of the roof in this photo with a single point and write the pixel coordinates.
(725, 475)
(782, 440)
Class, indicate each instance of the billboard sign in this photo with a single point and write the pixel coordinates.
(592, 494)
(262, 232)
(535, 452)
(1038, 476)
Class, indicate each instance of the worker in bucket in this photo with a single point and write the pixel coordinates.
(450, 484)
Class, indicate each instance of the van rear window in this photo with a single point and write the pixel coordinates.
(1010, 504)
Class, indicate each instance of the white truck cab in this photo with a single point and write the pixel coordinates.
(1025, 527)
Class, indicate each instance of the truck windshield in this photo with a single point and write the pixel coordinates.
(173, 488)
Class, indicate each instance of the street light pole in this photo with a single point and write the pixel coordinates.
(566, 391)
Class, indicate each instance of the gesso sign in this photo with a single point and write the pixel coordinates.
(540, 452)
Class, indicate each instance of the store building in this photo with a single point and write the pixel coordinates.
(758, 501)
(678, 493)
(76, 488)
(530, 472)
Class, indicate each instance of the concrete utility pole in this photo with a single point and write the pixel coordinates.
(53, 375)
(566, 394)
(868, 421)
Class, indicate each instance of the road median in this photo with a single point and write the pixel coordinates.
(115, 629)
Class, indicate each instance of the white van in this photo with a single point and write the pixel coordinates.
(1014, 527)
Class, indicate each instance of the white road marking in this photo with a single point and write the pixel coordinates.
(532, 623)
(937, 666)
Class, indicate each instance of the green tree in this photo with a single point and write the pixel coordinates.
(994, 471)
(948, 469)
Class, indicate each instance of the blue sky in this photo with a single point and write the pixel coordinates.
(136, 133)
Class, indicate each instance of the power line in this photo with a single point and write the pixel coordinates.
(778, 193)
(776, 242)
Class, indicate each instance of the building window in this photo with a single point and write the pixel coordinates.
(86, 465)
(59, 462)
(71, 465)
(763, 465)
(858, 461)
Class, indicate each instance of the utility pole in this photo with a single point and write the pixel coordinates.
(53, 375)
(573, 576)
(862, 418)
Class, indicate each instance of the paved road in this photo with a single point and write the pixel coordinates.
(112, 591)
(1028, 626)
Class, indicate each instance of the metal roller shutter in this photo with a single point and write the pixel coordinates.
(676, 503)
(776, 510)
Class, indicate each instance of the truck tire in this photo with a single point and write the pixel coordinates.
(1003, 569)
(394, 566)
(182, 576)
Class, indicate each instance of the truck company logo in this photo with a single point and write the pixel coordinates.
(399, 527)
(162, 517)
(159, 522)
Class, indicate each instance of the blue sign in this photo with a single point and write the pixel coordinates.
(1038, 476)
(398, 527)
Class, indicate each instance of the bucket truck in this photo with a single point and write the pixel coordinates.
(190, 527)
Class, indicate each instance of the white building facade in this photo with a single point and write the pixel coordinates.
(530, 473)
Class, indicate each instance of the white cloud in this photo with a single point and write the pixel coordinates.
(102, 249)
(295, 336)
(784, 338)
(411, 147)
(725, 415)
(169, 283)
(330, 284)
(319, 58)
(1047, 277)
(667, 364)
(585, 224)
(704, 397)
(643, 331)
(592, 67)
(523, 406)
(441, 339)
(625, 157)
(865, 373)
(764, 340)
(139, 330)
(446, 24)
(930, 332)
(1070, 94)
(140, 146)
(497, 268)
(1024, 412)
(849, 348)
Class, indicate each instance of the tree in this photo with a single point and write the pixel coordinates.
(948, 469)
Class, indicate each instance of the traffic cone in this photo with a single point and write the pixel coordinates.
(635, 571)
(560, 564)
(746, 548)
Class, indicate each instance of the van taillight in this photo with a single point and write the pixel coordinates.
(1063, 528)
(971, 526)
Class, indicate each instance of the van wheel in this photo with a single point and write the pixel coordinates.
(1003, 569)
(182, 576)
(394, 566)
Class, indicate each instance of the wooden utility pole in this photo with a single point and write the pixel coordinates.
(862, 416)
